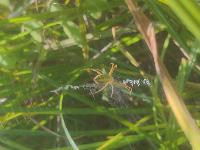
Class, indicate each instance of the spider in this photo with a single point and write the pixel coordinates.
(107, 79)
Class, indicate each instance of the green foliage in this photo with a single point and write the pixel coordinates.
(46, 45)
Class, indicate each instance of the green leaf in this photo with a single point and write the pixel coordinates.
(73, 32)
(31, 26)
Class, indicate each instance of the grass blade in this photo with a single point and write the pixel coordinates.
(175, 101)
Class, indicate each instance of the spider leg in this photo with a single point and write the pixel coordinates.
(128, 88)
(124, 86)
(113, 67)
(102, 88)
(94, 79)
(112, 90)
(98, 71)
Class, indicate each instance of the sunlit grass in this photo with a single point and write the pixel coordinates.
(46, 49)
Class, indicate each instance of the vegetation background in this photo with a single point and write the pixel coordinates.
(54, 44)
